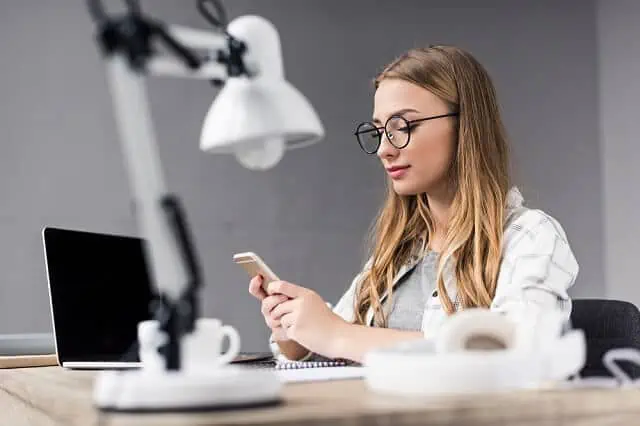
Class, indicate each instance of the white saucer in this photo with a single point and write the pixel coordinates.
(222, 387)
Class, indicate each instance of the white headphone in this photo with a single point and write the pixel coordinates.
(475, 329)
(478, 350)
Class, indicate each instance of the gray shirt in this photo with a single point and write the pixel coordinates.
(411, 294)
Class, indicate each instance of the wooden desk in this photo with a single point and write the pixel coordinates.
(53, 396)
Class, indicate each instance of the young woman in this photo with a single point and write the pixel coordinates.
(452, 233)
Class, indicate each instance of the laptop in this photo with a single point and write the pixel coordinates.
(99, 291)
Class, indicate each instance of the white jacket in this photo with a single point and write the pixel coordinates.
(537, 269)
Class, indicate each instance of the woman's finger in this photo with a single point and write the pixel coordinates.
(282, 309)
(270, 302)
(255, 288)
(273, 324)
(286, 321)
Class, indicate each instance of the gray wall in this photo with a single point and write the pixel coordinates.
(619, 48)
(60, 162)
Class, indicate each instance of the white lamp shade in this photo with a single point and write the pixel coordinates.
(299, 121)
(250, 110)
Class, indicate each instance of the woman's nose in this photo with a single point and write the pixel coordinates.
(386, 149)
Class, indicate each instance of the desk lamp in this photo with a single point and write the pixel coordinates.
(256, 116)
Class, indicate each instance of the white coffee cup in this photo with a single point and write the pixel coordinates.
(201, 350)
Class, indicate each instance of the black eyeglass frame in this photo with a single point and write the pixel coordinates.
(380, 130)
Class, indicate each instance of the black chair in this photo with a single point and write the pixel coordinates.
(607, 324)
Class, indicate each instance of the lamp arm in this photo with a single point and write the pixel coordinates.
(127, 43)
(174, 279)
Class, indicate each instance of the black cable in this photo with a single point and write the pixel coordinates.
(219, 16)
(187, 56)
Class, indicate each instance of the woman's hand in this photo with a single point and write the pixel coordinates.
(303, 316)
(268, 303)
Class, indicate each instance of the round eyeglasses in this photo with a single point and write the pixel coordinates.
(397, 129)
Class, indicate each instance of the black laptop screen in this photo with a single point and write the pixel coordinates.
(100, 290)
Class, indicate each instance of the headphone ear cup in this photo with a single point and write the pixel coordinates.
(475, 330)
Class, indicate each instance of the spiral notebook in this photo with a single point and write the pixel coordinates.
(315, 371)
(297, 365)
(311, 371)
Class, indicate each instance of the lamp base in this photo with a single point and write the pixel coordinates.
(219, 388)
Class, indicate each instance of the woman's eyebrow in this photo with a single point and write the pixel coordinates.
(399, 112)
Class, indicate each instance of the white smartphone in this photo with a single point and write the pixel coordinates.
(254, 265)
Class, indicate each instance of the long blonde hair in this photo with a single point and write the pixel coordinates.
(480, 176)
